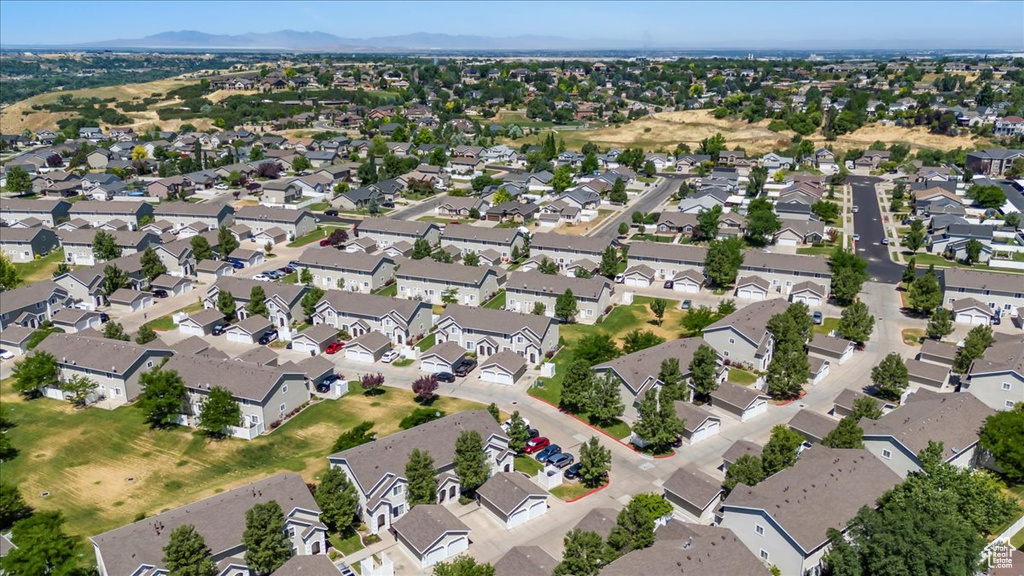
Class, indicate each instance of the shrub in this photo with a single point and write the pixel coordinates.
(420, 416)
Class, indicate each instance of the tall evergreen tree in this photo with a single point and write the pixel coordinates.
(421, 474)
(187, 554)
(470, 460)
(266, 542)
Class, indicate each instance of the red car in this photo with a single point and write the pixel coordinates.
(536, 444)
(325, 242)
(334, 347)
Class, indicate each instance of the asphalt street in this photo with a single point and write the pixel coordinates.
(650, 200)
(867, 223)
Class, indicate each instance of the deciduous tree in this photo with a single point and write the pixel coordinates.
(339, 503)
(940, 324)
(781, 450)
(747, 470)
(585, 554)
(163, 397)
(266, 542)
(856, 322)
(471, 461)
(34, 372)
(257, 304)
(890, 376)
(187, 554)
(104, 246)
(421, 474)
(219, 411)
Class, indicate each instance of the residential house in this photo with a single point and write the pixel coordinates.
(284, 301)
(138, 548)
(525, 561)
(259, 218)
(831, 347)
(1001, 291)
(377, 469)
(489, 331)
(460, 206)
(431, 534)
(898, 437)
(563, 250)
(784, 270)
(997, 378)
(814, 427)
(29, 306)
(27, 244)
(505, 367)
(350, 271)
(784, 520)
(98, 213)
(402, 321)
(388, 231)
(525, 290)
(686, 548)
(478, 239)
(699, 423)
(992, 161)
(739, 401)
(743, 336)
(78, 244)
(666, 259)
(49, 212)
(182, 214)
(693, 494)
(512, 498)
(437, 282)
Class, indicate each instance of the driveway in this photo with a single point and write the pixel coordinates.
(867, 222)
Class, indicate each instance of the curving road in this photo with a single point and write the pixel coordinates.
(867, 223)
(650, 200)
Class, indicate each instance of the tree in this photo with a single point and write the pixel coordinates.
(975, 344)
(310, 299)
(595, 462)
(492, 409)
(925, 293)
(596, 348)
(566, 307)
(762, 221)
(301, 163)
(34, 372)
(577, 387)
(201, 248)
(672, 386)
(909, 273)
(425, 387)
(585, 554)
(634, 526)
(561, 179)
(708, 222)
(163, 397)
(226, 242)
(463, 565)
(747, 470)
(609, 262)
(723, 261)
(12, 506)
(756, 180)
(10, 278)
(847, 434)
(420, 472)
(104, 246)
(697, 319)
(1013, 218)
(114, 331)
(306, 277)
(471, 259)
(618, 194)
(973, 249)
(187, 554)
(219, 412)
(890, 376)
(226, 303)
(827, 211)
(471, 461)
(338, 500)
(856, 322)
(266, 542)
(658, 425)
(703, 370)
(658, 306)
(337, 237)
(990, 197)
(865, 407)
(372, 383)
(1002, 436)
(145, 335)
(152, 266)
(547, 267)
(637, 340)
(781, 450)
(539, 309)
(113, 280)
(788, 371)
(18, 180)
(623, 229)
(914, 239)
(518, 432)
(849, 272)
(257, 305)
(421, 249)
(940, 324)
(605, 402)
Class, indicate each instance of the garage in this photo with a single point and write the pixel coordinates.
(357, 354)
(972, 318)
(758, 408)
(750, 294)
(686, 287)
(496, 376)
(434, 365)
(972, 312)
(239, 336)
(538, 509)
(505, 367)
(457, 546)
(786, 242)
(709, 429)
(442, 357)
(808, 299)
(434, 556)
(699, 424)
(517, 518)
(637, 281)
(189, 328)
(305, 346)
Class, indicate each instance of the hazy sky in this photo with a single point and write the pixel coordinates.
(936, 24)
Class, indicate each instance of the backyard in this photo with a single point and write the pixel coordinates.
(104, 468)
(41, 269)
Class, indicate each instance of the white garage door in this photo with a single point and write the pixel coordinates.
(637, 281)
(538, 509)
(750, 294)
(758, 409)
(809, 300)
(190, 330)
(458, 546)
(434, 556)
(968, 318)
(685, 287)
(303, 346)
(704, 433)
(238, 336)
(520, 516)
(496, 376)
(359, 356)
(433, 366)
(786, 242)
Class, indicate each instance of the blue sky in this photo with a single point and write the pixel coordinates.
(936, 24)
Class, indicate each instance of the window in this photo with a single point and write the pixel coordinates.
(282, 407)
(764, 555)
(117, 391)
(1006, 385)
(1009, 404)
(399, 510)
(732, 340)
(469, 344)
(284, 389)
(759, 530)
(886, 454)
(397, 490)
(726, 352)
(149, 364)
(519, 339)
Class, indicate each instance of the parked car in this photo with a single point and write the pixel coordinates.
(856, 237)
(669, 284)
(678, 442)
(549, 451)
(818, 318)
(331, 212)
(465, 367)
(885, 241)
(253, 186)
(268, 337)
(573, 472)
(325, 242)
(6, 354)
(536, 444)
(237, 264)
(996, 321)
(294, 264)
(287, 269)
(687, 304)
(219, 329)
(334, 347)
(855, 209)
(104, 317)
(561, 460)
(533, 432)
(444, 377)
(160, 293)
(508, 424)
(620, 279)
(274, 274)
(389, 356)
(221, 187)
(262, 277)
(328, 383)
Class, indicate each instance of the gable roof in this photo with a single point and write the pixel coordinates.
(636, 368)
(525, 561)
(395, 226)
(428, 269)
(427, 523)
(341, 260)
(501, 321)
(953, 419)
(693, 486)
(751, 321)
(99, 354)
(557, 284)
(686, 549)
(813, 424)
(508, 490)
(242, 379)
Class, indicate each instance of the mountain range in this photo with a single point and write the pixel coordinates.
(301, 41)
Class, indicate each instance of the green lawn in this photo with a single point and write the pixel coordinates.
(401, 363)
(318, 206)
(389, 290)
(913, 336)
(1017, 540)
(348, 542)
(498, 302)
(923, 259)
(41, 269)
(827, 325)
(427, 343)
(528, 465)
(650, 238)
(314, 236)
(569, 491)
(741, 377)
(102, 468)
(39, 335)
(817, 250)
(166, 323)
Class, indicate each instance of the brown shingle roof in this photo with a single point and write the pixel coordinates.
(426, 524)
(525, 561)
(953, 419)
(811, 424)
(693, 486)
(634, 369)
(507, 490)
(690, 549)
(752, 321)
(599, 520)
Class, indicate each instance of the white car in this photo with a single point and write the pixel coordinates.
(221, 187)
(6, 354)
(261, 277)
(389, 356)
(508, 424)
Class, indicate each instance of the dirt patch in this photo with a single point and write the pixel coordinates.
(917, 137)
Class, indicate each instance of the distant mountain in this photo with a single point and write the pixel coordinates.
(293, 40)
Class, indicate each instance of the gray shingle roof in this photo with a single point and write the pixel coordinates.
(242, 379)
(98, 354)
(428, 269)
(741, 448)
(980, 280)
(812, 424)
(507, 490)
(692, 415)
(693, 486)
(507, 360)
(752, 320)
(395, 226)
(500, 321)
(470, 233)
(637, 367)
(316, 565)
(557, 284)
(525, 561)
(738, 396)
(953, 419)
(426, 524)
(448, 351)
(341, 260)
(690, 549)
(598, 520)
(554, 241)
(824, 489)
